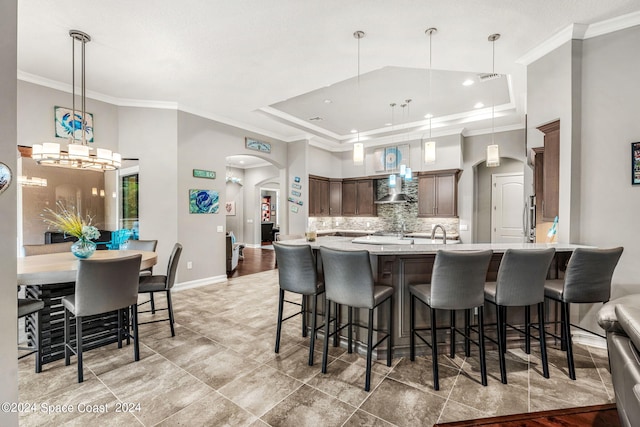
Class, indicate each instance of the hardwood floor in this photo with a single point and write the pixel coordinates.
(255, 260)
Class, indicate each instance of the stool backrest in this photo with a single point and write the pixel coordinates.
(521, 276)
(50, 248)
(588, 275)
(141, 245)
(348, 278)
(457, 279)
(104, 285)
(296, 268)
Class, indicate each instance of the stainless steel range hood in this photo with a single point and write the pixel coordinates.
(395, 194)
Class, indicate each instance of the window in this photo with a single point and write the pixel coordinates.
(129, 217)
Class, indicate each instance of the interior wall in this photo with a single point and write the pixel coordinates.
(235, 193)
(474, 151)
(324, 163)
(609, 203)
(483, 195)
(8, 203)
(141, 132)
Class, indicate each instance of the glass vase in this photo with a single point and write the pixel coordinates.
(83, 248)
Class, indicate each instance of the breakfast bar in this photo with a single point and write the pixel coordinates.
(404, 263)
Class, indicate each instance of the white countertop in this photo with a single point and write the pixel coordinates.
(344, 243)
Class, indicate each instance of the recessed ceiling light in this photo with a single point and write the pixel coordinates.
(354, 130)
(428, 116)
(327, 101)
(467, 82)
(242, 162)
(478, 105)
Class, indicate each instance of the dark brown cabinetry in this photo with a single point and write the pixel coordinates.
(358, 197)
(335, 197)
(318, 196)
(547, 173)
(438, 193)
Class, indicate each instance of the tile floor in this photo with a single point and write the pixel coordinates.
(220, 369)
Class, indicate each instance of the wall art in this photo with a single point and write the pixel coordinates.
(67, 125)
(635, 163)
(254, 144)
(230, 208)
(296, 186)
(389, 159)
(203, 201)
(296, 193)
(5, 177)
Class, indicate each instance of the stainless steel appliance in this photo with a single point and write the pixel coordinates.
(529, 220)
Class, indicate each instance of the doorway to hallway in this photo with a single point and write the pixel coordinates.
(507, 208)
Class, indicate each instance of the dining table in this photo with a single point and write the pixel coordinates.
(49, 278)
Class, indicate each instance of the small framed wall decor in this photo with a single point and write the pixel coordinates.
(67, 125)
(5, 177)
(254, 144)
(635, 163)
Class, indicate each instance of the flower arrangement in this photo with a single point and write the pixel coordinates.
(71, 223)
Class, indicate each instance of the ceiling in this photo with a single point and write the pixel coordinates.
(269, 67)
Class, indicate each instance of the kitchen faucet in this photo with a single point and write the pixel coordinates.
(403, 229)
(444, 233)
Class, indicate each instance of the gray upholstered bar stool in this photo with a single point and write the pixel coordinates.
(348, 280)
(143, 245)
(520, 283)
(27, 307)
(298, 274)
(586, 280)
(457, 283)
(162, 283)
(102, 286)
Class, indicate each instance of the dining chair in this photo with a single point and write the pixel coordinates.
(50, 248)
(587, 279)
(28, 307)
(143, 245)
(162, 283)
(102, 286)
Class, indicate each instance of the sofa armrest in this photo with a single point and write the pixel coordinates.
(607, 318)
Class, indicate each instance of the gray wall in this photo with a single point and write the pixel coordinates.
(8, 203)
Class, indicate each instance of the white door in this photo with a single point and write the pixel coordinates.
(507, 201)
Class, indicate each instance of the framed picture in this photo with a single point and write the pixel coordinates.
(230, 208)
(389, 159)
(296, 186)
(254, 144)
(635, 163)
(5, 177)
(203, 202)
(294, 209)
(67, 125)
(296, 193)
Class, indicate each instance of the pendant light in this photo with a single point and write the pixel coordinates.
(358, 147)
(430, 145)
(78, 154)
(493, 150)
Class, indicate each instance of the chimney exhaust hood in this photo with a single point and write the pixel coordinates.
(395, 194)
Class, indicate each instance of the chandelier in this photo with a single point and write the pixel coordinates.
(78, 155)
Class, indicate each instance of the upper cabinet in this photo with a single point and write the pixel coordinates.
(335, 197)
(358, 197)
(438, 193)
(547, 173)
(318, 196)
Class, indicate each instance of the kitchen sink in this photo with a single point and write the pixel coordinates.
(395, 240)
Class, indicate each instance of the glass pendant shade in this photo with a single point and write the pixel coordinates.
(429, 152)
(408, 175)
(358, 154)
(493, 156)
(392, 181)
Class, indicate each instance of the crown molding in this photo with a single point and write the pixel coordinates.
(580, 32)
(501, 129)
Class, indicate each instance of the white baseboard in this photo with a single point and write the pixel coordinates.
(199, 283)
(585, 338)
(252, 245)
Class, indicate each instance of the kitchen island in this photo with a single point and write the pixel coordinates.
(402, 265)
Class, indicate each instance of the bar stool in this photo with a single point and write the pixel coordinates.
(457, 282)
(25, 308)
(143, 245)
(349, 281)
(102, 286)
(298, 274)
(520, 283)
(586, 280)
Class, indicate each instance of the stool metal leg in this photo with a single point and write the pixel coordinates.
(390, 337)
(543, 344)
(566, 323)
(501, 351)
(336, 325)
(37, 340)
(367, 382)
(304, 315)
(434, 350)
(170, 307)
(350, 329)
(325, 344)
(67, 337)
(483, 360)
(452, 334)
(412, 330)
(134, 323)
(314, 312)
(527, 329)
(467, 332)
(79, 348)
(279, 325)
